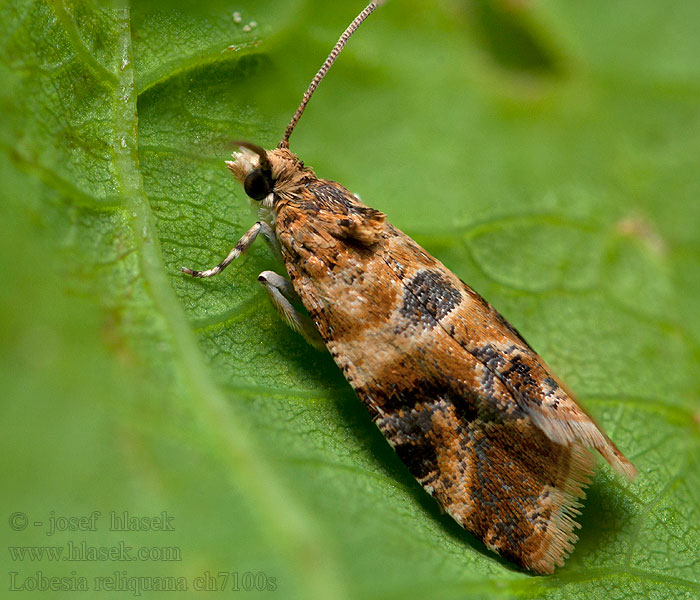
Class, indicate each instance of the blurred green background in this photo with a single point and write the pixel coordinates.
(546, 151)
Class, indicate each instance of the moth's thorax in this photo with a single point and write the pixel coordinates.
(288, 172)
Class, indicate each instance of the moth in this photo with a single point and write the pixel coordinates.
(470, 408)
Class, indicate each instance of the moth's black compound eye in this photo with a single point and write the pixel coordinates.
(258, 184)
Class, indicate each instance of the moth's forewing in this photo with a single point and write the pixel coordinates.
(470, 408)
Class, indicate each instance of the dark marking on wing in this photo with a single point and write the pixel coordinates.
(428, 297)
(330, 192)
(519, 373)
(332, 195)
(411, 438)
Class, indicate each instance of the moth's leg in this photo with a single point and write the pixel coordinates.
(243, 244)
(282, 294)
(272, 240)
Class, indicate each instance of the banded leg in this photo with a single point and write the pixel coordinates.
(243, 244)
(282, 294)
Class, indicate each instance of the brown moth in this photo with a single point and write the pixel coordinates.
(470, 408)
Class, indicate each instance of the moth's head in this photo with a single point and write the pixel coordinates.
(270, 174)
(266, 173)
(253, 169)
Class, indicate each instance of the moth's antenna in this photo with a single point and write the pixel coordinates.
(284, 143)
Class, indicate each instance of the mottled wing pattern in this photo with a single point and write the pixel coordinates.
(468, 406)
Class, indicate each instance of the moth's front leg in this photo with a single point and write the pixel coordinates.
(282, 295)
(243, 244)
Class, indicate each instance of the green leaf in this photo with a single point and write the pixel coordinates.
(546, 152)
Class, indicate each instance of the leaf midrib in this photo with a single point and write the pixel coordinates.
(290, 526)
